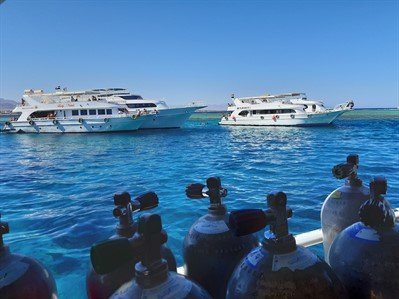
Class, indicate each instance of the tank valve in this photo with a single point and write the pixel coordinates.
(244, 222)
(125, 207)
(213, 190)
(377, 212)
(348, 170)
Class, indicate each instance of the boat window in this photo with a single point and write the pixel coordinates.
(83, 112)
(101, 111)
(109, 111)
(243, 113)
(92, 112)
(141, 105)
(263, 111)
(132, 97)
(42, 114)
(75, 112)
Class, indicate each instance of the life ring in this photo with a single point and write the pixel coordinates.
(292, 116)
(106, 120)
(31, 122)
(55, 121)
(262, 117)
(81, 120)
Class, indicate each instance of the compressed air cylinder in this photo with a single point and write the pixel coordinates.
(365, 255)
(279, 268)
(211, 250)
(152, 277)
(102, 286)
(340, 209)
(22, 276)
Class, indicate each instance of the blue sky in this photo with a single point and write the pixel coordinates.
(204, 50)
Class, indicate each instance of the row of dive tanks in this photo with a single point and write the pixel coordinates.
(224, 259)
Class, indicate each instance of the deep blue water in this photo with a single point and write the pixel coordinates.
(56, 190)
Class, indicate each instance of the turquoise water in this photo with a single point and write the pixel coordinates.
(56, 190)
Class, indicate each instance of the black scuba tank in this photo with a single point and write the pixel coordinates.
(103, 286)
(22, 276)
(340, 209)
(278, 268)
(152, 278)
(211, 250)
(366, 255)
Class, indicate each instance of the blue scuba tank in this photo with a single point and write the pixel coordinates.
(340, 209)
(152, 278)
(366, 255)
(22, 276)
(211, 250)
(278, 268)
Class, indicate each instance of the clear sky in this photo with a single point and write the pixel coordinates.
(204, 50)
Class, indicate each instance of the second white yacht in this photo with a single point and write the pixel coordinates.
(290, 109)
(159, 114)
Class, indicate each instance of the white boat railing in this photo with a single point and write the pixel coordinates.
(307, 239)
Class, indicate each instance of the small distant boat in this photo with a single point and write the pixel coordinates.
(43, 115)
(289, 109)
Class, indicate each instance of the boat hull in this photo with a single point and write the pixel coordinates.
(117, 124)
(169, 118)
(317, 119)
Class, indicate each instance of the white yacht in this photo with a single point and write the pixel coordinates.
(160, 115)
(290, 109)
(41, 114)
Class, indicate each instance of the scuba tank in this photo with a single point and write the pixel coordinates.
(152, 278)
(211, 250)
(102, 286)
(21, 276)
(340, 209)
(366, 255)
(278, 268)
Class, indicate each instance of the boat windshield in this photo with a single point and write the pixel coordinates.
(132, 97)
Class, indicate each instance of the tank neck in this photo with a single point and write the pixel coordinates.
(280, 245)
(153, 275)
(217, 209)
(124, 212)
(126, 226)
(354, 180)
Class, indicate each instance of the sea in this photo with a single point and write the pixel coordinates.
(56, 191)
